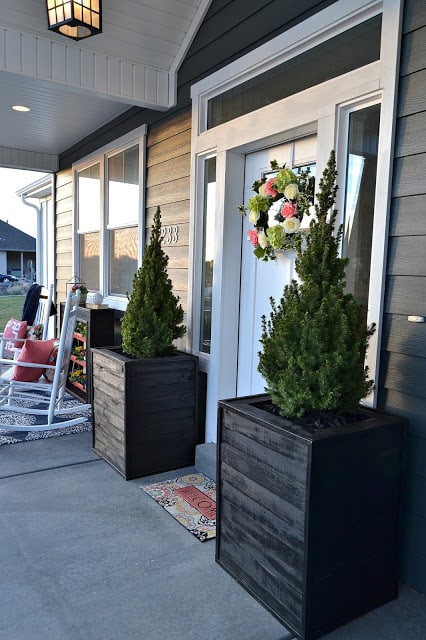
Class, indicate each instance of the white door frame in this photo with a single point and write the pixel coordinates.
(314, 110)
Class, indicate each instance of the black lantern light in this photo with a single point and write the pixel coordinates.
(76, 19)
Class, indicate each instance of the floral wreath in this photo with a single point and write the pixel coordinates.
(294, 195)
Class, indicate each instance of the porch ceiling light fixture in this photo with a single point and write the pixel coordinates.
(76, 19)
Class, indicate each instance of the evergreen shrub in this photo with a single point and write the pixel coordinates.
(315, 340)
(152, 320)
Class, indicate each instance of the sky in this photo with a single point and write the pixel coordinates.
(12, 209)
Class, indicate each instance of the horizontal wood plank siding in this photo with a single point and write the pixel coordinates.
(401, 336)
(64, 232)
(409, 175)
(231, 26)
(407, 256)
(411, 135)
(408, 216)
(403, 364)
(167, 178)
(406, 295)
(412, 93)
(402, 371)
(400, 403)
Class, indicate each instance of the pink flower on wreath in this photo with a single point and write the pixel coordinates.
(288, 210)
(253, 237)
(267, 189)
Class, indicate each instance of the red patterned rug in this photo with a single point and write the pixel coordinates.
(191, 500)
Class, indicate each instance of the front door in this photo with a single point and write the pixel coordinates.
(261, 280)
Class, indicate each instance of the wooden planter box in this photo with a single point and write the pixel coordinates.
(307, 522)
(144, 411)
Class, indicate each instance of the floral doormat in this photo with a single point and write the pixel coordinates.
(191, 500)
(12, 437)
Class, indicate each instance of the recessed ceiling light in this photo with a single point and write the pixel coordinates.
(20, 107)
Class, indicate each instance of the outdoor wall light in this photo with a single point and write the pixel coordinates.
(20, 107)
(76, 19)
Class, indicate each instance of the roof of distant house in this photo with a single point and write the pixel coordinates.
(13, 239)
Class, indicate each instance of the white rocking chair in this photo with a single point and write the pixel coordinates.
(41, 398)
(41, 318)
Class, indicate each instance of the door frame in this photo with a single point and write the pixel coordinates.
(310, 111)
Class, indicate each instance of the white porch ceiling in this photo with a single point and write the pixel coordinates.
(73, 88)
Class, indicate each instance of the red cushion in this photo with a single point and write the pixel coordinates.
(13, 330)
(37, 351)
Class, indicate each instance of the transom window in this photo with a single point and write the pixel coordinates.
(345, 52)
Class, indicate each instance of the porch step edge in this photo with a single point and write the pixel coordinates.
(205, 459)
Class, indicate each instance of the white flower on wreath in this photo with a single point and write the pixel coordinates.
(291, 191)
(254, 217)
(262, 239)
(291, 225)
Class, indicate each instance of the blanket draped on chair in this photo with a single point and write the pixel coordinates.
(31, 303)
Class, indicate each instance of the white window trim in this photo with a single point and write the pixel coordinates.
(266, 126)
(137, 136)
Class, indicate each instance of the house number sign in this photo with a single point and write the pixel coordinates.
(170, 234)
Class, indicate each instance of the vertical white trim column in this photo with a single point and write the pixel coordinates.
(389, 57)
(226, 278)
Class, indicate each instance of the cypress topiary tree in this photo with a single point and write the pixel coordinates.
(315, 340)
(153, 316)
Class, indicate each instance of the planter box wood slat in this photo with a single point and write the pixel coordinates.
(277, 554)
(267, 500)
(337, 546)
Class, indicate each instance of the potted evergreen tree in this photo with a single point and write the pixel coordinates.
(308, 480)
(145, 392)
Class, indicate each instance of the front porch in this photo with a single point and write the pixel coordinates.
(85, 554)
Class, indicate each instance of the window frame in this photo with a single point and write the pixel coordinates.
(101, 156)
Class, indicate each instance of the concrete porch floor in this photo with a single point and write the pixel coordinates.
(85, 555)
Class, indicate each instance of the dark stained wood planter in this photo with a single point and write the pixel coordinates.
(308, 522)
(145, 411)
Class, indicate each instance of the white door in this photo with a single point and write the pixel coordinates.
(260, 280)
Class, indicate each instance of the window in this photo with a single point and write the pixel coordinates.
(89, 212)
(345, 52)
(361, 170)
(207, 258)
(123, 214)
(109, 205)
